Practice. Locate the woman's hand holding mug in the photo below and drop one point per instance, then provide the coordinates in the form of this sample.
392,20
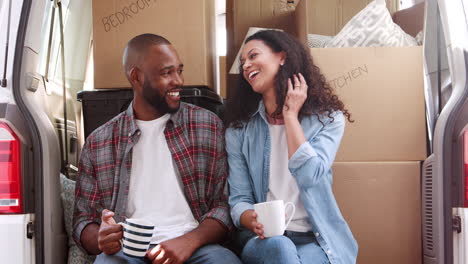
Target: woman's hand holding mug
249,220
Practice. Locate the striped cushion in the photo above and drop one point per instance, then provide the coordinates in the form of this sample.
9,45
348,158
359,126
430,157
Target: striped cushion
75,255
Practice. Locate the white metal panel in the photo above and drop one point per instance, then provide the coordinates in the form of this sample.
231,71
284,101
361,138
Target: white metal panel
460,240
15,247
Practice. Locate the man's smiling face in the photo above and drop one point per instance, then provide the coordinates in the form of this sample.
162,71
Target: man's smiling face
163,78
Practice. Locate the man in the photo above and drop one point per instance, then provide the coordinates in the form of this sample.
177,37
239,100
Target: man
161,160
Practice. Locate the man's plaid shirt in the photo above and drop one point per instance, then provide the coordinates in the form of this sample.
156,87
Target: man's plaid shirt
195,138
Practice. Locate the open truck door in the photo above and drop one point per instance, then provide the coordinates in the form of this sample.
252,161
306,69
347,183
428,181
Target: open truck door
445,171
48,51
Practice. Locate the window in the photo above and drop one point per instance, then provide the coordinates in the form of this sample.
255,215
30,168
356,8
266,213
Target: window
77,28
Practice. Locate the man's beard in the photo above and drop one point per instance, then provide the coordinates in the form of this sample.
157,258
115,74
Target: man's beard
152,96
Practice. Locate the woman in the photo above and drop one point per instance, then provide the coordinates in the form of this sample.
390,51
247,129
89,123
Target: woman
284,129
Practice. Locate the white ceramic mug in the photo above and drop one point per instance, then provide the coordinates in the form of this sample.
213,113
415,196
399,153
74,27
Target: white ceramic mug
137,234
272,215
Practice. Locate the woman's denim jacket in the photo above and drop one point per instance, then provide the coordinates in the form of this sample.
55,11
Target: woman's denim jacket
249,161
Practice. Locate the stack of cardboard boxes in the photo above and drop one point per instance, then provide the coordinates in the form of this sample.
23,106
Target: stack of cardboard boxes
377,169
188,25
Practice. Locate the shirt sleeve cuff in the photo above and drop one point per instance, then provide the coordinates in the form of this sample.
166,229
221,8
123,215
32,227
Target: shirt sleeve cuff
302,154
221,215
78,230
238,210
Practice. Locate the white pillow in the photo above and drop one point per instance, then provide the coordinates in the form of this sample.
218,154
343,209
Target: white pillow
372,27
419,38
318,41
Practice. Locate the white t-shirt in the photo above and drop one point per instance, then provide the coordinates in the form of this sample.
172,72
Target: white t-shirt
155,191
282,185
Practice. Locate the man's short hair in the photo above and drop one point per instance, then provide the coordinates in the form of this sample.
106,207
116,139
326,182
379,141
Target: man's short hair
137,47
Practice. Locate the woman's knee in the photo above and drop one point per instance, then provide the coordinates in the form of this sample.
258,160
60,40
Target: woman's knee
279,243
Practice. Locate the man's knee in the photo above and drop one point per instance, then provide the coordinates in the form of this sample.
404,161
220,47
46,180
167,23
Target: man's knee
214,254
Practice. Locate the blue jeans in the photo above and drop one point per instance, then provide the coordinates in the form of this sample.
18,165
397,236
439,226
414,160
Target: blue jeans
209,254
293,247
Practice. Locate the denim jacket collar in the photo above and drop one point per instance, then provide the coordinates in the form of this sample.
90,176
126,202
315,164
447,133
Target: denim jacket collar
261,110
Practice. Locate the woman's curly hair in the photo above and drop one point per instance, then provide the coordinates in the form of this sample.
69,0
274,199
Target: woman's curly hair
321,99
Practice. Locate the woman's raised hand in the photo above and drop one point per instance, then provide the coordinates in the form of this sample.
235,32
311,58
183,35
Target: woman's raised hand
296,96
249,220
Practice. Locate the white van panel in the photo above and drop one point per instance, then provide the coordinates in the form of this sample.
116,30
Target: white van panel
15,247
460,240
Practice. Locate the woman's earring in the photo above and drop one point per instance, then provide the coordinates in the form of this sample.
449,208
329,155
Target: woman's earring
281,64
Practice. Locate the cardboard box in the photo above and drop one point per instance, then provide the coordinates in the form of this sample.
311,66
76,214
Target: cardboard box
381,201
383,89
328,17
222,76
188,25
411,20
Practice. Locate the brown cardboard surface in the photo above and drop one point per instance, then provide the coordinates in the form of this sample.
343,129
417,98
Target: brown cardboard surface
382,87
411,20
327,17
381,201
188,25
222,76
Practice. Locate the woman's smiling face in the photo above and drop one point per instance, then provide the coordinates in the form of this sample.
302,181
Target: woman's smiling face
260,64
